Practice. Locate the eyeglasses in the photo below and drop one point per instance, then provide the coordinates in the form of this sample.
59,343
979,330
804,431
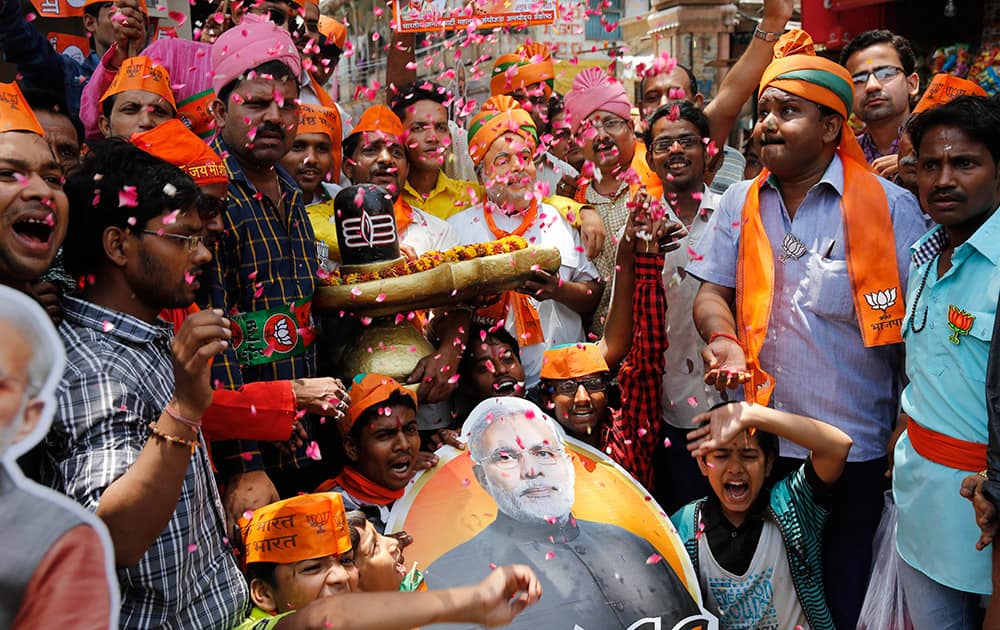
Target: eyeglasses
191,242
882,74
662,145
569,387
613,126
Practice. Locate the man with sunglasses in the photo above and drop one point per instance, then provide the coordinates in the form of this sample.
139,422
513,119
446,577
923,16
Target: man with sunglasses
881,65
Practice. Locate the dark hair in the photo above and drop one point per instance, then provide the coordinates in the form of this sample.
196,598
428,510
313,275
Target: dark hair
356,521
557,105
768,443
274,68
489,334
94,10
46,100
686,110
882,36
349,145
107,105
977,117
263,571
370,414
411,93
692,82
93,192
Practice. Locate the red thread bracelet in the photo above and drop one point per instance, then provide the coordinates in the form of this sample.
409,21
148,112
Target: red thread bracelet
716,335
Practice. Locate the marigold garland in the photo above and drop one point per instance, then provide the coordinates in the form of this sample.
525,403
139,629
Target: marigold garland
432,259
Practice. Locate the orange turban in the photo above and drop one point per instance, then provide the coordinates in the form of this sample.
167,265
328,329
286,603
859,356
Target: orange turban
368,390
379,118
945,88
815,79
15,114
296,529
325,120
333,31
173,142
499,115
572,360
142,73
528,65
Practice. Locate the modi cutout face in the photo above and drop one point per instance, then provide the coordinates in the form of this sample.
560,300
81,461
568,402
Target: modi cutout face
18,412
526,469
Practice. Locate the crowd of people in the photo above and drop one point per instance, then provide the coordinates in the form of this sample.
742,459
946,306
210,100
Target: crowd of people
768,338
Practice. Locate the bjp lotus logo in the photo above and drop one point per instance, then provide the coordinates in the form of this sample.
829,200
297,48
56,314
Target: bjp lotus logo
882,300
960,323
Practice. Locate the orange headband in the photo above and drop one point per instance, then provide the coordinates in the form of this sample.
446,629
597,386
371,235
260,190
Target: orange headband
141,73
945,88
296,529
368,390
15,114
173,142
572,360
325,120
379,118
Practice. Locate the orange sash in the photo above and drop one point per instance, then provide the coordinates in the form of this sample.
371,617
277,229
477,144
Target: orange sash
321,95
529,326
879,301
404,216
361,487
946,450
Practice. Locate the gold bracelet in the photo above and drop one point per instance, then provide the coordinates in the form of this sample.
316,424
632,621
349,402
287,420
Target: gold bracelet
160,435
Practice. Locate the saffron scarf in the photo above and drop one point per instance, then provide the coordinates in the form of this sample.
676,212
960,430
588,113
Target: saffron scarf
529,326
404,215
870,250
361,487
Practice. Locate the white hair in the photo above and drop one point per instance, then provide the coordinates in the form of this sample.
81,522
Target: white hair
498,408
48,359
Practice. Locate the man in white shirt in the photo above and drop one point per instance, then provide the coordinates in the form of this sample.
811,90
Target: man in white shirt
548,309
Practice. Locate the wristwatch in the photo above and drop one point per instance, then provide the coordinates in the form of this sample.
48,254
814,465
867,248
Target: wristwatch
767,36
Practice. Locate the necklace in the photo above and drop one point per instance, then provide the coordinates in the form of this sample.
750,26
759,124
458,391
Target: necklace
916,300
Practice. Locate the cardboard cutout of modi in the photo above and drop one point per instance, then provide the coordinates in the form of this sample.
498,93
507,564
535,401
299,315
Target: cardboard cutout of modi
523,492
53,548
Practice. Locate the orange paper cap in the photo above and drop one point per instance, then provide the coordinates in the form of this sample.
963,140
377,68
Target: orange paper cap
90,3
325,120
572,360
141,73
333,30
944,88
173,142
296,529
15,115
379,118
368,390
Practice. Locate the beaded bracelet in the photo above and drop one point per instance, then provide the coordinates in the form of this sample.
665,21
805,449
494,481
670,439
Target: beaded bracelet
716,335
172,411
192,444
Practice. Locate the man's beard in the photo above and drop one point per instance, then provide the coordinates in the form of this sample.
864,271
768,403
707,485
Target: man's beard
540,510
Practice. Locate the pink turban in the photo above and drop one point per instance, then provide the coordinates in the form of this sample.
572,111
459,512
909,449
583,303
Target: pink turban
594,90
254,41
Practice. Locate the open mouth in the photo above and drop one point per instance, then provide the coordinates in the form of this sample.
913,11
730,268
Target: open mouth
507,387
400,565
736,491
677,165
34,231
401,467
582,412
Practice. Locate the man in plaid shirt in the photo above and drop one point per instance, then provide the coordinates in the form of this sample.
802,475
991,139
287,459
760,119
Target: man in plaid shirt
126,439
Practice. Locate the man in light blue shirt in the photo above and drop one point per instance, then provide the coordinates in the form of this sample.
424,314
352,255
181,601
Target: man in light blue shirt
813,348
951,310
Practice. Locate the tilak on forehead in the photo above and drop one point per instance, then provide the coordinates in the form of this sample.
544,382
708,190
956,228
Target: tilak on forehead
366,391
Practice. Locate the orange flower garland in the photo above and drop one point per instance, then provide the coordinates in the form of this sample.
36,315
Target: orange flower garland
433,259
